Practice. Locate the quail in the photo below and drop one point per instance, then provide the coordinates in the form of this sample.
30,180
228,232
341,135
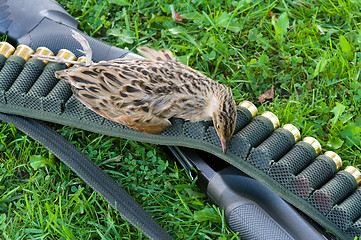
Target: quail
144,93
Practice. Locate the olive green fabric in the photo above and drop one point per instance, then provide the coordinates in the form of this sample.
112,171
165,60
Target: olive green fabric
31,90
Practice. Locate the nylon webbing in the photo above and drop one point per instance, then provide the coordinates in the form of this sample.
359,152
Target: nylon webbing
46,98
126,206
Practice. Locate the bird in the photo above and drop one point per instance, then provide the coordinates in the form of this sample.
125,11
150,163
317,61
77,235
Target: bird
144,93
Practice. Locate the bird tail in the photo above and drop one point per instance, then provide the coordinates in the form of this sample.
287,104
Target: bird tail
162,55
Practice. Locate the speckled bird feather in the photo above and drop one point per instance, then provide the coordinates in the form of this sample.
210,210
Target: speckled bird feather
143,93
148,91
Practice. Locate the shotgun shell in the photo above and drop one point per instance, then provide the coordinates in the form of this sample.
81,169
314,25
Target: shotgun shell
67,55
273,118
250,106
295,132
355,173
81,59
6,49
44,51
314,143
23,51
335,157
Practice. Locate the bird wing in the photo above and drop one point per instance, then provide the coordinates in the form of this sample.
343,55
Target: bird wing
142,89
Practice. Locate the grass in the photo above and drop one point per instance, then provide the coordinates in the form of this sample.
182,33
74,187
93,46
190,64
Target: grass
309,51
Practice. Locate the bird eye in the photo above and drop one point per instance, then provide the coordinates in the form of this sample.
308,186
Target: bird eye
218,127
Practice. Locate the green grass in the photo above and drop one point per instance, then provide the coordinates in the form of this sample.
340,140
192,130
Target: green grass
311,55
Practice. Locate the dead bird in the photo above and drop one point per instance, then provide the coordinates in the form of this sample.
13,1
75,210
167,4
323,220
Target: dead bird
144,93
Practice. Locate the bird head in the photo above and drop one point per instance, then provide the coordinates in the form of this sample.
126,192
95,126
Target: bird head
224,117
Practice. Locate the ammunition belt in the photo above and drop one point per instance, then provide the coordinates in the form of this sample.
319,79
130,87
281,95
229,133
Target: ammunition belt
296,170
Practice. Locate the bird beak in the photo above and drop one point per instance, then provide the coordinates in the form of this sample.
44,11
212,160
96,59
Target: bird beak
224,145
